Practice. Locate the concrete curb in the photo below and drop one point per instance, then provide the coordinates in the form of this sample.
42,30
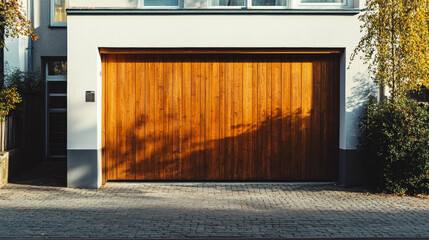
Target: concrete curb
4,168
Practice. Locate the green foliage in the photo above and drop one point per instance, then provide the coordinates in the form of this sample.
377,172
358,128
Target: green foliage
25,82
13,22
18,82
395,146
9,98
395,44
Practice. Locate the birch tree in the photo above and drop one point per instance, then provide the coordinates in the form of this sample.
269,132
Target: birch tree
395,44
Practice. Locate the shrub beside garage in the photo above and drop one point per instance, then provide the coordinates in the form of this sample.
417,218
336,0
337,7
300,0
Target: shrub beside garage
394,146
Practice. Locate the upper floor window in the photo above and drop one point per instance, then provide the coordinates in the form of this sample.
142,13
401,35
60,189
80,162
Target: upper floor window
294,4
270,3
227,3
59,15
324,3
161,3
244,3
58,12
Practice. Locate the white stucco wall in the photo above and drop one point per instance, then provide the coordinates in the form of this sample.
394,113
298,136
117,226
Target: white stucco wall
88,33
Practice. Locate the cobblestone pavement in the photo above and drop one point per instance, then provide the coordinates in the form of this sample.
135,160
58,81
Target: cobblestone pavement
187,210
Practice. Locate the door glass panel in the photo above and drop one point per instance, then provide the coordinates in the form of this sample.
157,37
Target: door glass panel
58,102
57,68
269,2
57,87
57,134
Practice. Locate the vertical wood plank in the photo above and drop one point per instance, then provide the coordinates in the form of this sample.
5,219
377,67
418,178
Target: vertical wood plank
186,120
196,120
268,133
159,119
315,120
333,121
121,117
262,119
203,172
329,166
238,118
296,128
141,118
229,165
167,125
286,162
276,113
205,65
130,126
329,81
247,119
336,114
214,119
222,110
255,126
150,126
177,118
324,118
307,92
111,118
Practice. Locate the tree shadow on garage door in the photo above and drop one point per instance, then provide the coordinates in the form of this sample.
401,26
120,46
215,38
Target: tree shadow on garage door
269,118
296,147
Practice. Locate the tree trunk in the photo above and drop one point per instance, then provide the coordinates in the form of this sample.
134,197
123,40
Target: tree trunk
2,43
1,62
3,136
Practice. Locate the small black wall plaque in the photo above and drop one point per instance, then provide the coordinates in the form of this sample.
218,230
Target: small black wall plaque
90,96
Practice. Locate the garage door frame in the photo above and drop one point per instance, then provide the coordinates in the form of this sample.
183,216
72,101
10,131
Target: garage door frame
142,51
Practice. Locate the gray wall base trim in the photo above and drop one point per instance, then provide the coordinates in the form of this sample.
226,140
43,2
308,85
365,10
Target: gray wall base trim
351,171
83,169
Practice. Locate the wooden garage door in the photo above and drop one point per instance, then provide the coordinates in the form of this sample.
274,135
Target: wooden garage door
221,117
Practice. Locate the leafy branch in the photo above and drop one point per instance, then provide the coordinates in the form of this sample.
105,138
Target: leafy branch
13,21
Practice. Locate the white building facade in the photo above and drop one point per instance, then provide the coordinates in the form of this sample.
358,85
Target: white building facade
298,27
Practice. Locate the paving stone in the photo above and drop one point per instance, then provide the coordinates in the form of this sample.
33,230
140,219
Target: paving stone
189,210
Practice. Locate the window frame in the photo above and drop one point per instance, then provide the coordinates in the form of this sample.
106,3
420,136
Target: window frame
180,5
52,22
48,110
291,4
